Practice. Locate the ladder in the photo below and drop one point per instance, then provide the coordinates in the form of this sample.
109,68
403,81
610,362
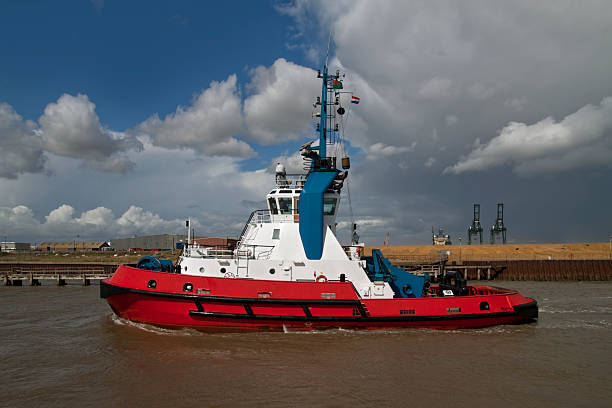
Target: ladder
242,262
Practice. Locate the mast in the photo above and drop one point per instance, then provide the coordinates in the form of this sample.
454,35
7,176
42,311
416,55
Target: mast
330,89
323,124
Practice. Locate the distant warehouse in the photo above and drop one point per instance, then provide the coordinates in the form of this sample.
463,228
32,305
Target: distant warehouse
14,246
81,246
167,242
216,242
149,242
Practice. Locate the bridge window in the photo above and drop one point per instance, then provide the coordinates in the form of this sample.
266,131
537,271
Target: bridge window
273,207
284,205
329,206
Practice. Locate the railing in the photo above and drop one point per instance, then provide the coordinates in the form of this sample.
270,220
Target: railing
297,179
256,217
215,253
264,254
354,252
255,252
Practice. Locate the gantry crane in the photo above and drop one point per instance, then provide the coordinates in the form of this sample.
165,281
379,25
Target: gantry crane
498,227
475,228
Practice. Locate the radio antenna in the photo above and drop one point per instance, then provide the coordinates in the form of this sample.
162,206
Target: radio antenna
328,45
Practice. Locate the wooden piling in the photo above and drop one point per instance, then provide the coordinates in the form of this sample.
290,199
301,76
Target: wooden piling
33,281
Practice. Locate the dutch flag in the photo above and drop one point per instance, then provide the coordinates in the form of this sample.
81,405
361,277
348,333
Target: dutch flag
354,99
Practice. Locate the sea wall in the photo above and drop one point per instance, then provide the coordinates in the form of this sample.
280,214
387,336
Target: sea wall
560,270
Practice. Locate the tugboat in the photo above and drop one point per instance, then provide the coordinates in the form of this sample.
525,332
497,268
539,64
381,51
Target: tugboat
289,271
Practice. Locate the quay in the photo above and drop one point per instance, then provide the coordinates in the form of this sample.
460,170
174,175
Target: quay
529,270
35,274
471,272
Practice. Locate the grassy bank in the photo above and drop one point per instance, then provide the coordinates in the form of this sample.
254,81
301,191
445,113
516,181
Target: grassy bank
83,257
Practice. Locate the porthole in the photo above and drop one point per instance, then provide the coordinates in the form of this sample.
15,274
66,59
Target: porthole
272,271
187,287
151,284
222,270
484,306
201,269
185,269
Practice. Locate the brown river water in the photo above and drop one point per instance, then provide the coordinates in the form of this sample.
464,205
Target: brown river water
63,347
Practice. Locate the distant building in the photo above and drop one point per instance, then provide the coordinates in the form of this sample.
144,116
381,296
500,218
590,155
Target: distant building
217,242
80,246
149,242
14,246
168,241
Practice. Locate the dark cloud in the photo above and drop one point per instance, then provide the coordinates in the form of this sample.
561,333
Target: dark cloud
468,86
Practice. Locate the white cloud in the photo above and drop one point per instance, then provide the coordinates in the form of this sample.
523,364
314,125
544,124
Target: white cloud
378,150
20,149
430,162
582,139
208,126
71,128
62,224
61,215
281,105
98,217
142,221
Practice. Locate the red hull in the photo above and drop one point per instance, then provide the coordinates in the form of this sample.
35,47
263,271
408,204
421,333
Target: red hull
245,304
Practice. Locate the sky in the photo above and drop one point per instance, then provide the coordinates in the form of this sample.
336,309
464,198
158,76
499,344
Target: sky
124,118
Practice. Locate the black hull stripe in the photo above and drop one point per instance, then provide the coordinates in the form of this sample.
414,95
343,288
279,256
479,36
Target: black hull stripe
435,318
527,310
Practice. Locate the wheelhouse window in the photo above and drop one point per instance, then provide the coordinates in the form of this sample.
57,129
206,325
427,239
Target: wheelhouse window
276,233
329,206
284,205
273,207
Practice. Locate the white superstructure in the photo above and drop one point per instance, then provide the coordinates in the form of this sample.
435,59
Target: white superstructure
270,246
